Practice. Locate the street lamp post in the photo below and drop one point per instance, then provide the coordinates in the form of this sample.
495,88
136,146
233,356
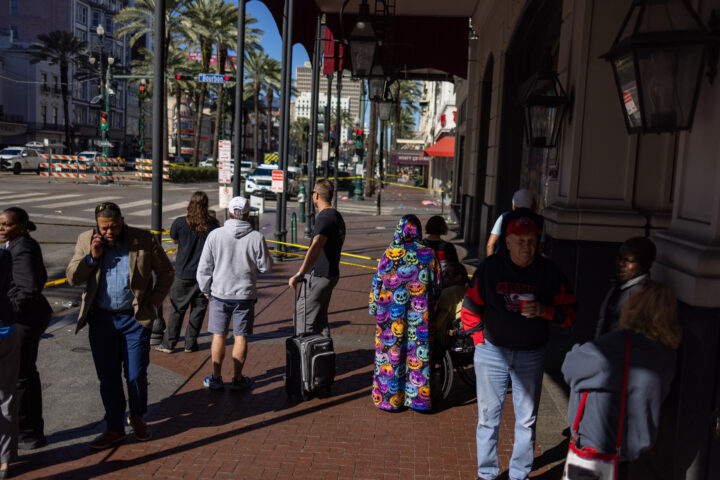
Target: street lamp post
105,77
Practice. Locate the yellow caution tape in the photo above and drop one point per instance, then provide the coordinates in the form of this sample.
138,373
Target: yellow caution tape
298,255
307,246
412,186
55,282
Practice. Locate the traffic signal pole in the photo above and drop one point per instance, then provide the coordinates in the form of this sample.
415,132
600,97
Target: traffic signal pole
338,135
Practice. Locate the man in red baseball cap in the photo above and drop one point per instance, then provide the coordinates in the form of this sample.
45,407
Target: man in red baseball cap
513,297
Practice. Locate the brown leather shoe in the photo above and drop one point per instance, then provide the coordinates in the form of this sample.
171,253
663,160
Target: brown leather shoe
140,429
107,439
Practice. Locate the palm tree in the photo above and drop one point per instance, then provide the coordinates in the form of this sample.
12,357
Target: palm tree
138,21
272,85
256,68
300,132
372,145
64,49
226,34
407,95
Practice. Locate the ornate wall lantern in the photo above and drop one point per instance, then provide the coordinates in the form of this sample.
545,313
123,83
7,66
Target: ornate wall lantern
363,43
544,107
376,83
658,59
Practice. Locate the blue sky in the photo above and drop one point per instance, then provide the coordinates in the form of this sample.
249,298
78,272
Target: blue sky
271,39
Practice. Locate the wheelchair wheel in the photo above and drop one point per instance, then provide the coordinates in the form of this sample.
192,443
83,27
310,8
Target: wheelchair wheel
465,368
441,376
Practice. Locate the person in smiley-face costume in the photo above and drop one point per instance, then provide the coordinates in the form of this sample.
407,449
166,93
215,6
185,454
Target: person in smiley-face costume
404,289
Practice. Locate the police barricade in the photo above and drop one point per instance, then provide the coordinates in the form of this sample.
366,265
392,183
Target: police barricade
145,166
68,166
107,169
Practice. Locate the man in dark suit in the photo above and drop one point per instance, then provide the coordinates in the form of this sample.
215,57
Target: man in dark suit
120,304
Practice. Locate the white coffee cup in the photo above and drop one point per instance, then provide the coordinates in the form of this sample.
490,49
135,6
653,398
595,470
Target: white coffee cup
523,299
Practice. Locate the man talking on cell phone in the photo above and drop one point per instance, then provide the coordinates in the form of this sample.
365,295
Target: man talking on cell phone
117,263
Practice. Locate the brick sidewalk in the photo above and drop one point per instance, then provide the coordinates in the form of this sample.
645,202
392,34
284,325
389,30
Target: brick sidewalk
262,434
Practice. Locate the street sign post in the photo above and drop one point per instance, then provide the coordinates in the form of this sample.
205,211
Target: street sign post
277,181
225,171
212,78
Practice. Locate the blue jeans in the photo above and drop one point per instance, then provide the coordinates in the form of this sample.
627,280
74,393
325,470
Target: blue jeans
118,341
494,366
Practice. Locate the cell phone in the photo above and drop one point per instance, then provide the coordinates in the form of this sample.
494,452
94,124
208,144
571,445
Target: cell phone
96,231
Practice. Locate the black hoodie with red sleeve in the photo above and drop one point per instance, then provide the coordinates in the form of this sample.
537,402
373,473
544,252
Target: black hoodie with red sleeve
491,301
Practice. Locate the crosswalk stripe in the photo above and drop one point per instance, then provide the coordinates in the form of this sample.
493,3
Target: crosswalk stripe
124,206
165,208
50,200
80,202
4,191
23,195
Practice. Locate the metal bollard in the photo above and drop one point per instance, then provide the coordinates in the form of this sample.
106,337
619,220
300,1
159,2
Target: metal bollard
293,228
301,203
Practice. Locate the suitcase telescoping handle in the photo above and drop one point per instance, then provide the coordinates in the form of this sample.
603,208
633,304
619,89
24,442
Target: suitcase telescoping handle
296,295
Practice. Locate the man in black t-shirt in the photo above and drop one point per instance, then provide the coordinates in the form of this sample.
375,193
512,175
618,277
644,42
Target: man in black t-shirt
321,267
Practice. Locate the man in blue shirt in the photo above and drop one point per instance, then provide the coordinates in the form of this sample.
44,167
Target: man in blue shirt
120,304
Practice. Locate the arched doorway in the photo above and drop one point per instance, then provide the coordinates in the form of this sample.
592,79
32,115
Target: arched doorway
478,229
536,33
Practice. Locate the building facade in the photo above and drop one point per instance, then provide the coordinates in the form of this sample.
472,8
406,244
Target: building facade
597,188
24,21
438,115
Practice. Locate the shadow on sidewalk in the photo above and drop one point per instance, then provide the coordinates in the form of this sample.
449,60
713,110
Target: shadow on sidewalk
200,409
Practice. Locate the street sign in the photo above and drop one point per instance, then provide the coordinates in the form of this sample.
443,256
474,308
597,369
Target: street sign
277,181
225,194
224,161
211,78
103,143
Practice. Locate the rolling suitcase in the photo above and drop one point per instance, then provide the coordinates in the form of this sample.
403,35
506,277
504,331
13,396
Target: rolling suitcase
310,361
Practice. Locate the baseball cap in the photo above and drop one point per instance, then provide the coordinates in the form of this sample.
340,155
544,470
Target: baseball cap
239,206
522,225
523,198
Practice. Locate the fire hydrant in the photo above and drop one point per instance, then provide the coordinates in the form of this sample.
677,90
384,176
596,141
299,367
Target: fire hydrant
301,203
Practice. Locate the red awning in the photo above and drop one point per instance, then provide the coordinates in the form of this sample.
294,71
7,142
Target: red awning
445,147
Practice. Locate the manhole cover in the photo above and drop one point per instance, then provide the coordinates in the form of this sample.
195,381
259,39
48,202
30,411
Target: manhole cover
80,349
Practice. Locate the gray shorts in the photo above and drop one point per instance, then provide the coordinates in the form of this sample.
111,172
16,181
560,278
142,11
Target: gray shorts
242,314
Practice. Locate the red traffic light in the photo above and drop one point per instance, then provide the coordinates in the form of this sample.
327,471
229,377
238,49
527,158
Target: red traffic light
359,131
178,77
227,78
103,115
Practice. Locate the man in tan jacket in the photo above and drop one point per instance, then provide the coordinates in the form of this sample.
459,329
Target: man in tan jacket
117,263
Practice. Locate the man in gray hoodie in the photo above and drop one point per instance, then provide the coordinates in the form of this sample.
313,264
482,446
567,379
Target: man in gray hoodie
227,273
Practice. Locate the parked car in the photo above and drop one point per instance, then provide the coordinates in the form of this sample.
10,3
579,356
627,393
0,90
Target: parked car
88,157
345,182
20,159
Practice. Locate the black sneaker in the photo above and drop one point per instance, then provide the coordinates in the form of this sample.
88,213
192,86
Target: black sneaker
31,443
192,349
242,384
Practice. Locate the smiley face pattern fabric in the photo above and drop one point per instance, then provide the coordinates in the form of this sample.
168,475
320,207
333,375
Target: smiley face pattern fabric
403,293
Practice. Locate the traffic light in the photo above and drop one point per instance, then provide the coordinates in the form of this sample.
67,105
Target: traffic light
229,78
359,142
103,121
181,77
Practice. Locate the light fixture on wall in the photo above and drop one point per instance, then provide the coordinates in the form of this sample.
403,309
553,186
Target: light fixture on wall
658,58
544,106
363,42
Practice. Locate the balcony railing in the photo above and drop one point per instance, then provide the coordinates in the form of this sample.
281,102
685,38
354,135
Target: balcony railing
44,88
6,117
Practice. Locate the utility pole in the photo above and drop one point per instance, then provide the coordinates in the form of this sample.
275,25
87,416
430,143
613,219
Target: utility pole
157,143
239,124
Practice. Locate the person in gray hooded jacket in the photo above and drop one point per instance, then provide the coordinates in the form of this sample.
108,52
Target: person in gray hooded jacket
231,259
649,317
